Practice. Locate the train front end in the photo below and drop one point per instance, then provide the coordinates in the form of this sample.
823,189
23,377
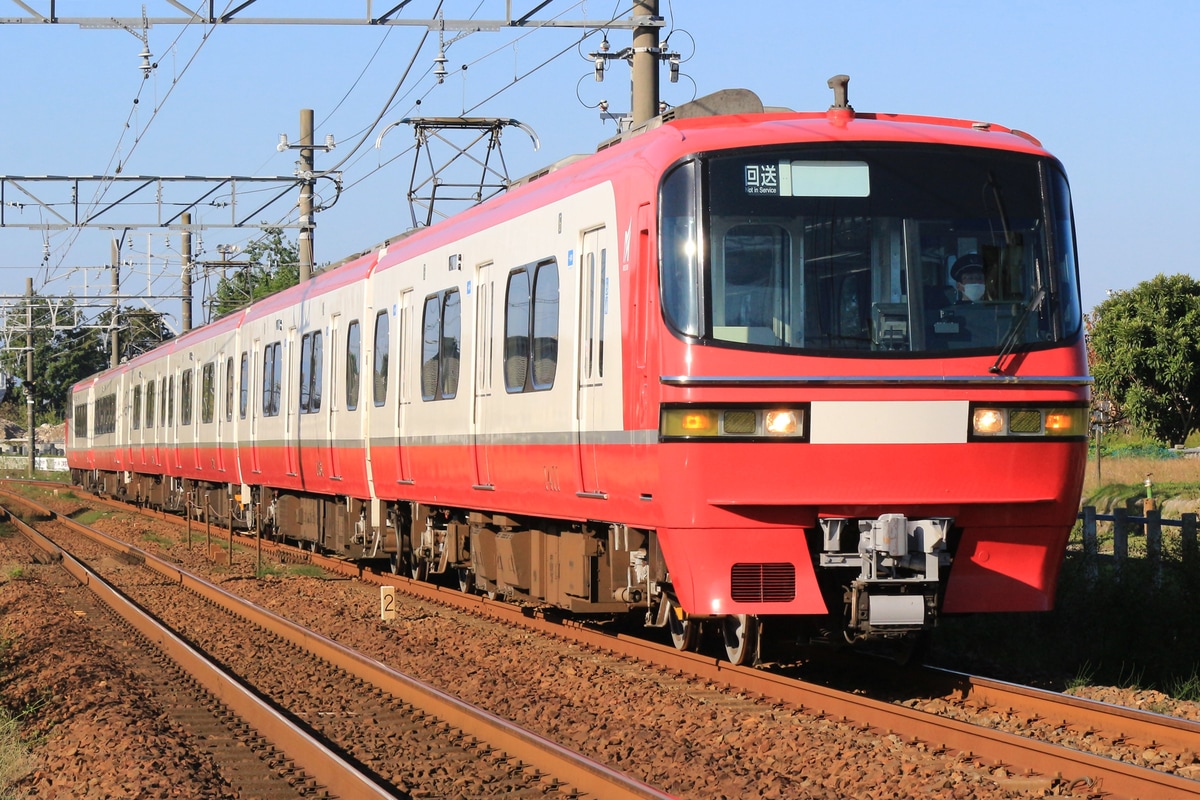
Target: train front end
848,432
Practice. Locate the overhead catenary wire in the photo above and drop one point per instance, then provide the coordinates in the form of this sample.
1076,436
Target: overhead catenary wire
108,170
354,155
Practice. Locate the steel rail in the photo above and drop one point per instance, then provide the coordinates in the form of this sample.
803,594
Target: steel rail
578,770
1141,726
1118,779
329,769
999,747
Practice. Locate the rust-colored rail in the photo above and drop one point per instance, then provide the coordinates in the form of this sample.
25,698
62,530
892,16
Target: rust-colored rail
573,768
330,770
1130,724
1118,779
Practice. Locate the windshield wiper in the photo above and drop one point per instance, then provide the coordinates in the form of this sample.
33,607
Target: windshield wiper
1010,341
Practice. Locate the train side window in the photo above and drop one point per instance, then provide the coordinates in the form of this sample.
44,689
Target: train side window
451,343
305,371
353,350
680,251
545,326
272,378
244,386
603,312
229,389
531,329
516,332
81,420
380,372
106,414
430,349
185,398
169,401
441,345
208,392
310,373
151,406
314,397
136,416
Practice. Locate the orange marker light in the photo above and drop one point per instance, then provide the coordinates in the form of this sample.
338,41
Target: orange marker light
1060,422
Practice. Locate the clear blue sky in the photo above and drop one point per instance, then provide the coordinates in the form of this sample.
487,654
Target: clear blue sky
1107,86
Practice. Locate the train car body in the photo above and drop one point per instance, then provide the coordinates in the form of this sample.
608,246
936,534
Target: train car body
717,371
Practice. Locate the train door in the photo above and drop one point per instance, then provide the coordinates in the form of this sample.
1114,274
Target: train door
291,425
189,414
256,356
156,418
135,422
593,279
483,374
124,425
403,387
222,405
331,402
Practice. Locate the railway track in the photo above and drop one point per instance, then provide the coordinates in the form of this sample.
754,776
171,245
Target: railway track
1012,754
391,735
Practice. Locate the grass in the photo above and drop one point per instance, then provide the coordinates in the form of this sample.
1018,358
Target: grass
285,570
15,753
162,541
1106,628
90,516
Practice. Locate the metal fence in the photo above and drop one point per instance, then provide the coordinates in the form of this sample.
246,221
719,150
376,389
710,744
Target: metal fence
1147,532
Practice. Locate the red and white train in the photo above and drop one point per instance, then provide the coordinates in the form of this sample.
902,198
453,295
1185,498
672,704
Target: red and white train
716,372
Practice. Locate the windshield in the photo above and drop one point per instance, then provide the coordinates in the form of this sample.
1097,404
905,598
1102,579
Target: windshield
889,249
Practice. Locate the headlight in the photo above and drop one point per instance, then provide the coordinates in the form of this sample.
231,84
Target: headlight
782,423
988,421
687,422
1019,422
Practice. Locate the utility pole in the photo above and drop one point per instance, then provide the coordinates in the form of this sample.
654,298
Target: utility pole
29,373
305,244
307,176
645,62
186,280
115,358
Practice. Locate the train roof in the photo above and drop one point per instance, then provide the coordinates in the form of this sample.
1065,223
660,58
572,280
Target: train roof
727,119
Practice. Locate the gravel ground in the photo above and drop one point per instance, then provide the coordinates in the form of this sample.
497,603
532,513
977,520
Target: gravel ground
693,740
91,729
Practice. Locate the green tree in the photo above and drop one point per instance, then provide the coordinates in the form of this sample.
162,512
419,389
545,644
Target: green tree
271,264
1146,348
142,330
65,350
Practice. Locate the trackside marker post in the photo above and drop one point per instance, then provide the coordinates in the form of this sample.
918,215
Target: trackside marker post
387,602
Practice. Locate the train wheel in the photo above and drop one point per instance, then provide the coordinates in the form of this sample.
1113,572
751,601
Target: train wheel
685,632
466,580
395,563
418,568
740,632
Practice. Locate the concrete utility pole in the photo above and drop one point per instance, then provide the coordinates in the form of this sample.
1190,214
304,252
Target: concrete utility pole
29,373
305,244
645,62
186,281
115,358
